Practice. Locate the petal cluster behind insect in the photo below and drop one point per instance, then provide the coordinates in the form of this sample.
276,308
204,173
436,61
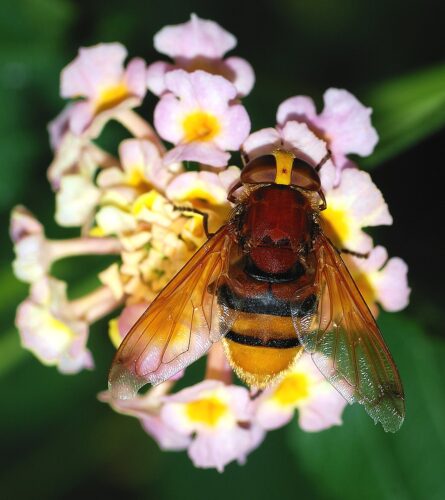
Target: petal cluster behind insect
147,205
199,44
197,115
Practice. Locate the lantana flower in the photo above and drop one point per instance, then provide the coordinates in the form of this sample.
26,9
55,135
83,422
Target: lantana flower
35,253
354,204
98,76
51,331
198,116
146,207
304,388
344,123
199,44
381,280
219,418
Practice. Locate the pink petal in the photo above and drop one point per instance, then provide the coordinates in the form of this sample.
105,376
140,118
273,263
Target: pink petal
197,37
218,449
236,128
298,137
168,116
201,89
23,224
166,437
129,316
202,152
261,142
393,289
299,108
135,77
347,123
93,68
59,126
156,76
271,416
82,114
323,411
244,76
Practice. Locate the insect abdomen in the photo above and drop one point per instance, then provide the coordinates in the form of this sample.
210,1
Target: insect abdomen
262,343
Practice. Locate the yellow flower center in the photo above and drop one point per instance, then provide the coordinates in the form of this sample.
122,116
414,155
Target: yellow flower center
135,176
336,225
113,332
363,282
200,196
292,389
111,96
200,126
207,411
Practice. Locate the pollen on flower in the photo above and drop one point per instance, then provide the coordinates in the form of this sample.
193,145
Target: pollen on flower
208,411
200,126
111,96
292,389
59,333
336,224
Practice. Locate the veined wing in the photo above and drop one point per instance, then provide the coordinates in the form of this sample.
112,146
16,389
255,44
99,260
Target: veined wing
179,326
345,341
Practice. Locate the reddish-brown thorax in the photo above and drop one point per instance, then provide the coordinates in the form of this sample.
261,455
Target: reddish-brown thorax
276,226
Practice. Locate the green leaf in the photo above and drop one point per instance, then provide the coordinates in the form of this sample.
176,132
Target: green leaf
358,459
406,110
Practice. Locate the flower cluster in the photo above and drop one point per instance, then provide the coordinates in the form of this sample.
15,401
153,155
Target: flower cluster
140,206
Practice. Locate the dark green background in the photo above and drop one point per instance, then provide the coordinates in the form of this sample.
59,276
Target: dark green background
57,441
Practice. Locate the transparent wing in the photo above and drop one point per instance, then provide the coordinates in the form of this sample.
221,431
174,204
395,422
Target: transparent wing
334,323
179,326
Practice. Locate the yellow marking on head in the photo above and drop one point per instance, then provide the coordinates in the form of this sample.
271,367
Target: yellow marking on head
284,161
207,411
200,126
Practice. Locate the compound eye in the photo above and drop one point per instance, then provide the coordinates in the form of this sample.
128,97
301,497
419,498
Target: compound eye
261,170
305,176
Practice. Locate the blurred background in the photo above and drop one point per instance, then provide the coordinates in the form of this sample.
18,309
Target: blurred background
57,440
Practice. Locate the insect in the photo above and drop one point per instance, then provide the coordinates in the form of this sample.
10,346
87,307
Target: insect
269,284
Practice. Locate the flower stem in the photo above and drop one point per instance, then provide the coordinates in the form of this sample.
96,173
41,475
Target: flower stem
217,366
140,128
95,305
84,246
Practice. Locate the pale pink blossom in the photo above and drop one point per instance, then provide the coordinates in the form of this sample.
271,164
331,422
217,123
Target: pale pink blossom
76,200
381,279
98,76
35,253
141,167
118,328
354,204
218,417
199,44
297,138
344,123
304,388
146,408
50,330
209,186
198,117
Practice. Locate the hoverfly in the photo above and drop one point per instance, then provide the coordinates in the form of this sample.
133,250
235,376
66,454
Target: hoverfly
268,284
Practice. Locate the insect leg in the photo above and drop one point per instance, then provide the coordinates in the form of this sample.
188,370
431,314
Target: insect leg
325,158
354,254
205,218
